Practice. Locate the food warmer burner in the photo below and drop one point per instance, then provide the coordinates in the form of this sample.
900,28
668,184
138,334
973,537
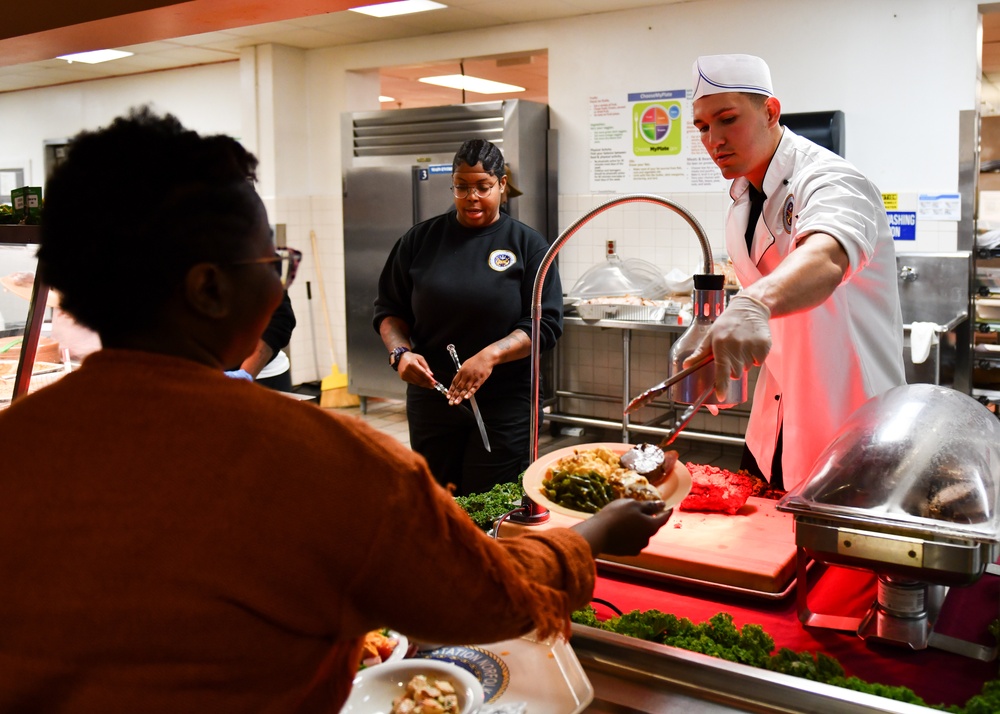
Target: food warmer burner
908,490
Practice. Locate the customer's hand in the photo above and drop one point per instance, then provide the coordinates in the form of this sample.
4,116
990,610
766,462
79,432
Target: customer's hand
739,339
623,527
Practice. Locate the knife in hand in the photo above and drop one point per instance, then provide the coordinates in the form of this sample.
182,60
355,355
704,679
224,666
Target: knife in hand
472,402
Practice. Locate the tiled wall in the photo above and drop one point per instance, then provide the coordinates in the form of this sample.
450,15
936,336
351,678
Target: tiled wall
640,230
660,236
310,349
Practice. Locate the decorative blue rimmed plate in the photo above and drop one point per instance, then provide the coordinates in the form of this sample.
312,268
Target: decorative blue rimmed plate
486,666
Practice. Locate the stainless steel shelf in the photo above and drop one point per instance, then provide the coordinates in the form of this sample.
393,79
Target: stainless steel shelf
626,324
15,235
625,425
19,235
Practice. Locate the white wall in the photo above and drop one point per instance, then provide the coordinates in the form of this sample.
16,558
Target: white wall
205,98
901,70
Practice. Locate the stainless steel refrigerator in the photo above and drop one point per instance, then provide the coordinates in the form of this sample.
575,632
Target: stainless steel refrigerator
397,172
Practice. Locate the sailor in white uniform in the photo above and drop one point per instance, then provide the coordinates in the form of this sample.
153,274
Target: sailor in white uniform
811,245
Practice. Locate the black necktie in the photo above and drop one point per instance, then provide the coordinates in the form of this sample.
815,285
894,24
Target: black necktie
756,205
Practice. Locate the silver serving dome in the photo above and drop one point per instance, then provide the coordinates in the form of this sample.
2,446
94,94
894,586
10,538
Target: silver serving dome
919,459
908,489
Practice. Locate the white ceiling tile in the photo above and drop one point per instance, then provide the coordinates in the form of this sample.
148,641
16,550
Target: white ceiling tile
207,39
196,55
149,47
302,37
262,30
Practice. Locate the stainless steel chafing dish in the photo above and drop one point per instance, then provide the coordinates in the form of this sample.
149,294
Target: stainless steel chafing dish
909,490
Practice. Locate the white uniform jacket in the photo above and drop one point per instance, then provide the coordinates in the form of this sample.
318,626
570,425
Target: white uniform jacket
826,362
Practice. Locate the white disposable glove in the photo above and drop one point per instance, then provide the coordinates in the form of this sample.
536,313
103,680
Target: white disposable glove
739,339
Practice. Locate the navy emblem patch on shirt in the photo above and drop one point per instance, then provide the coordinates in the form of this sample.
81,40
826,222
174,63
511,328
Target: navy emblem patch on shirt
500,260
789,212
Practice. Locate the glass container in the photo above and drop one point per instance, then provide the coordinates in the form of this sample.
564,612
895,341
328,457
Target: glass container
707,304
617,277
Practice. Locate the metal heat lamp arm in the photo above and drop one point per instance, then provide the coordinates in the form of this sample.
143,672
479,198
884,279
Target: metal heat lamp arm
531,512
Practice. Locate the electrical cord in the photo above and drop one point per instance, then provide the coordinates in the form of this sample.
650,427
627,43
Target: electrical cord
499,521
608,605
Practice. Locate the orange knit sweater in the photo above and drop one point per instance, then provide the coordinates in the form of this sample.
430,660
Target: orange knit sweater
178,541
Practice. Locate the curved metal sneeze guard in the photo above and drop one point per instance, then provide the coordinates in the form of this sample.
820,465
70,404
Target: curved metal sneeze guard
531,511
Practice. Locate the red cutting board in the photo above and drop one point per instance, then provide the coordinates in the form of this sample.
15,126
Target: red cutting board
754,549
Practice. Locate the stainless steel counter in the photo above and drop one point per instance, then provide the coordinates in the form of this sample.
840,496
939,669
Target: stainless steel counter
633,676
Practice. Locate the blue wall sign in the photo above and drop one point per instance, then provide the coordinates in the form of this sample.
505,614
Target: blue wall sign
903,224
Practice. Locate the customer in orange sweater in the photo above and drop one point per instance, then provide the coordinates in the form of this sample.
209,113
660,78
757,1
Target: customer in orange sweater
178,541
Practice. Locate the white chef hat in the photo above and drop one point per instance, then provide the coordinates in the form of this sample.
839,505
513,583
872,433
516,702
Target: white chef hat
715,74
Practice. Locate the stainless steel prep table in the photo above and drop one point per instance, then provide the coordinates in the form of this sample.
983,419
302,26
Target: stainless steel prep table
624,425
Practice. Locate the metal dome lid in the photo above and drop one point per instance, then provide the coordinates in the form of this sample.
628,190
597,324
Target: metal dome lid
918,458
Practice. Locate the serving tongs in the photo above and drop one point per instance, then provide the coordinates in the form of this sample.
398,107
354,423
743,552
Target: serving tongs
686,417
655,391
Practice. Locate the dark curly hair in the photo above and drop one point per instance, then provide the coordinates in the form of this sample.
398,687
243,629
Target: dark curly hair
132,208
479,151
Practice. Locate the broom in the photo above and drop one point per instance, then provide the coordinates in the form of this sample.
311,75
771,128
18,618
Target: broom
333,388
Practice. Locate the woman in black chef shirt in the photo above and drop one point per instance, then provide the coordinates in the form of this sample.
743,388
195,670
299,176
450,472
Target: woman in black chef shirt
465,278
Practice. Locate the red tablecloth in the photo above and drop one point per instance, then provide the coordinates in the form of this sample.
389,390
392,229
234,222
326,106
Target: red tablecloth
938,677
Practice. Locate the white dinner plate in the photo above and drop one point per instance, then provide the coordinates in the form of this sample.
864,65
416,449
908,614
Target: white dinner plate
672,490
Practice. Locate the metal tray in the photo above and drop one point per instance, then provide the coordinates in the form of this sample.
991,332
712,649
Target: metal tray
638,313
697,584
638,676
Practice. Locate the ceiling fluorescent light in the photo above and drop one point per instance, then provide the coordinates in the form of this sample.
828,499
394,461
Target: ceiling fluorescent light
95,57
403,7
471,84
383,98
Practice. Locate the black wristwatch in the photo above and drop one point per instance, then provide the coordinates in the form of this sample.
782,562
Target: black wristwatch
395,355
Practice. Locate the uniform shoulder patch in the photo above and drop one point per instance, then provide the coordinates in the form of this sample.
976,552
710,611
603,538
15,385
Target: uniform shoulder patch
500,260
789,212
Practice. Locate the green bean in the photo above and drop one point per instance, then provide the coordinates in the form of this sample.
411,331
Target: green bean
587,491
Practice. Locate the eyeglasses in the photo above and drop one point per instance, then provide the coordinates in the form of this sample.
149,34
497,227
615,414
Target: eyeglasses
478,191
286,262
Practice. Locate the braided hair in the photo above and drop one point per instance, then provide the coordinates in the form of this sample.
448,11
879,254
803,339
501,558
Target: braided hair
479,151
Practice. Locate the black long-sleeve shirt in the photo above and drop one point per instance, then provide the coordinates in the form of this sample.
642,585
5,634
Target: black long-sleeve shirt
469,287
278,332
